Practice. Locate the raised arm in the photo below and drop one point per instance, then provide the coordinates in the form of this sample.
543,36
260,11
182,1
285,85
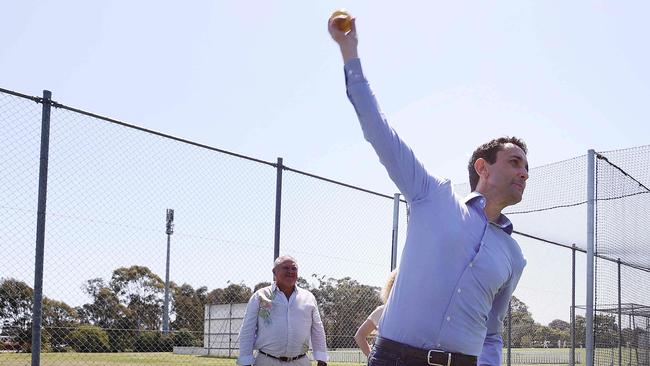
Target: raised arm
403,168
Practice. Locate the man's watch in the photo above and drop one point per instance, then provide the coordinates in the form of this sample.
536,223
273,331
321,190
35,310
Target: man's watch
321,363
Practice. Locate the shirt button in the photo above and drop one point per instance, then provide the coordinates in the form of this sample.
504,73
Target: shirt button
448,318
458,290
439,345
471,264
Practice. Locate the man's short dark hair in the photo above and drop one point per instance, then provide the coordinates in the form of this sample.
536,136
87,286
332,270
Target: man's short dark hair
488,151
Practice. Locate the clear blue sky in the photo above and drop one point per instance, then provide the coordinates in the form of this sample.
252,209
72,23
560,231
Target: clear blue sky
264,78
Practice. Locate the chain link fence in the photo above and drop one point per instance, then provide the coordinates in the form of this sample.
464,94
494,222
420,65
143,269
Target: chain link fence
622,279
110,184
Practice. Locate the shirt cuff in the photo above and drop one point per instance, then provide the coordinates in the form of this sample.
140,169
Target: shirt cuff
353,72
320,356
245,360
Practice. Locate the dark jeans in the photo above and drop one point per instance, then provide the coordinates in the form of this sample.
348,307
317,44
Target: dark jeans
380,356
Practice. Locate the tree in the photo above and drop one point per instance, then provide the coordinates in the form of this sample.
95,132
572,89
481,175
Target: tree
265,284
605,330
59,319
16,303
523,325
188,306
107,312
234,293
344,304
141,291
560,325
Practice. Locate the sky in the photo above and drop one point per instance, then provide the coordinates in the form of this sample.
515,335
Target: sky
264,79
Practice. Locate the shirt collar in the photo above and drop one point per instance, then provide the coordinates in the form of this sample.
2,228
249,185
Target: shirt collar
503,221
274,287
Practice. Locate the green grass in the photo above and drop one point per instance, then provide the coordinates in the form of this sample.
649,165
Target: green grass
119,359
113,359
169,359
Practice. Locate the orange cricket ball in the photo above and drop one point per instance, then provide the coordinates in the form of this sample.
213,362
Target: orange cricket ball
342,19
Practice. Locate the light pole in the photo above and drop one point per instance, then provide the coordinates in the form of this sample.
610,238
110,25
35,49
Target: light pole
169,231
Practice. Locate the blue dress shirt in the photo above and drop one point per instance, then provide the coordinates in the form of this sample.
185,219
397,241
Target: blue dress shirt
457,271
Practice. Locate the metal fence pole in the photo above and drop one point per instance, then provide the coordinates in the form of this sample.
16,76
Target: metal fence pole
509,354
37,309
591,210
620,317
393,252
209,328
278,208
572,354
169,231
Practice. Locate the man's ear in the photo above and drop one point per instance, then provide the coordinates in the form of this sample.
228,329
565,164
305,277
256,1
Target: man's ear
481,167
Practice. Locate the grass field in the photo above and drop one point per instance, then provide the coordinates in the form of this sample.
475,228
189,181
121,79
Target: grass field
160,359
113,359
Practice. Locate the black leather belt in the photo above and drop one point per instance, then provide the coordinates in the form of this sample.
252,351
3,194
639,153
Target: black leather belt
431,357
283,358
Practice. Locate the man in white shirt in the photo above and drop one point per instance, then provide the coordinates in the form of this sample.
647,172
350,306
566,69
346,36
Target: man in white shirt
281,321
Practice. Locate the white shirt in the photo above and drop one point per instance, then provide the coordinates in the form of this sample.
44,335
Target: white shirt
280,326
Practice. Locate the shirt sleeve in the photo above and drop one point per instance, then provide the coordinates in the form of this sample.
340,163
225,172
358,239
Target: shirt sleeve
248,332
493,344
404,169
318,343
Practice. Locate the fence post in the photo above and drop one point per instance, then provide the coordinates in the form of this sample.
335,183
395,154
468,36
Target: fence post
393,252
591,210
278,208
209,328
509,333
169,231
37,310
620,318
572,354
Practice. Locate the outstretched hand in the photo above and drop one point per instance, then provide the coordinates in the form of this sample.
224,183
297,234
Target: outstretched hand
347,41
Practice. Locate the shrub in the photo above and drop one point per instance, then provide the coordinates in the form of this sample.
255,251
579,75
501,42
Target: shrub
186,338
89,338
153,341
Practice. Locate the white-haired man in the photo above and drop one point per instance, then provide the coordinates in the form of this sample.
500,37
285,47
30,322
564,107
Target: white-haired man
281,321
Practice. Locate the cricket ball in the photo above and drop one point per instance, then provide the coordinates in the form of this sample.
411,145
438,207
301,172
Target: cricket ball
342,19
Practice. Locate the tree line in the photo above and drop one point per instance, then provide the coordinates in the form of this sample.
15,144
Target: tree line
125,314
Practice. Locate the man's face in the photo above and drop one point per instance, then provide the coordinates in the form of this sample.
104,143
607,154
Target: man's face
286,274
507,176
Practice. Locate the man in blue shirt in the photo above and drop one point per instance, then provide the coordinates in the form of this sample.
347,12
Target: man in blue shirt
460,265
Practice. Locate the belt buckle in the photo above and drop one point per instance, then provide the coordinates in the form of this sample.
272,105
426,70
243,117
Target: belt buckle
438,364
284,358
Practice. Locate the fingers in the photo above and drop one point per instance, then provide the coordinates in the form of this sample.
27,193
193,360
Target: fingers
335,31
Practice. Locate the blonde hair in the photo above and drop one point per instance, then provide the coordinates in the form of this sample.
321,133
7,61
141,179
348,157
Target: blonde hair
385,291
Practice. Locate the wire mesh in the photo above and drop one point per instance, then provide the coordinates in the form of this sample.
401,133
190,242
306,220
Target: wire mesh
343,239
622,279
20,124
110,185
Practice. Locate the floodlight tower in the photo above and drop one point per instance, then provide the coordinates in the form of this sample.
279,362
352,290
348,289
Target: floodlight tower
169,231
